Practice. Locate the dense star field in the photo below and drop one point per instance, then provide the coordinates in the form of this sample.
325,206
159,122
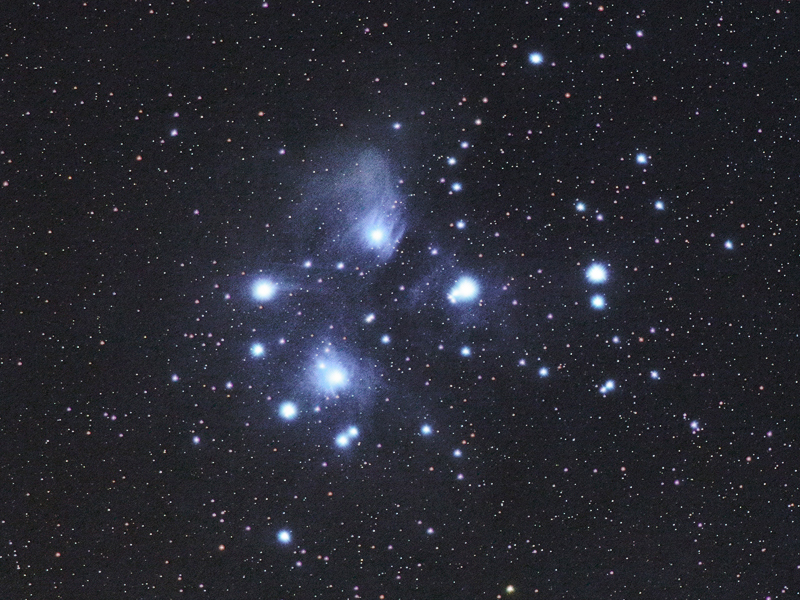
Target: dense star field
399,301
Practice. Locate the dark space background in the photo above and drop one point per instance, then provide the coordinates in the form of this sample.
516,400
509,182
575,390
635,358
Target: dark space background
161,159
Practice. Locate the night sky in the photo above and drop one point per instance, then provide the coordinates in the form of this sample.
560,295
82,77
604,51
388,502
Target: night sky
399,300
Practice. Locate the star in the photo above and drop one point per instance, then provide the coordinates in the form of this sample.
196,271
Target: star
284,536
288,410
598,302
596,273
464,290
264,290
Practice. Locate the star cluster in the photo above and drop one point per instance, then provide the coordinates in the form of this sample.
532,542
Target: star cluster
388,302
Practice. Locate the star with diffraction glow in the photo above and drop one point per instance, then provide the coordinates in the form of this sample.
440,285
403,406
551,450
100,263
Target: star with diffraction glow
464,290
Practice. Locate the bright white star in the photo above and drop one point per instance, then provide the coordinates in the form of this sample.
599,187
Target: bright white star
264,290
284,536
596,273
288,410
464,290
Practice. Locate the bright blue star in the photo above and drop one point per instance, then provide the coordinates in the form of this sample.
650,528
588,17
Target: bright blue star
608,386
641,158
456,187
335,377
196,440
544,372
380,231
385,339
535,58
397,125
659,205
464,290
457,453
460,224
288,410
377,235
598,302
257,350
331,377
426,430
264,290
728,245
466,351
580,207
596,273
451,161
343,440
284,536
655,375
